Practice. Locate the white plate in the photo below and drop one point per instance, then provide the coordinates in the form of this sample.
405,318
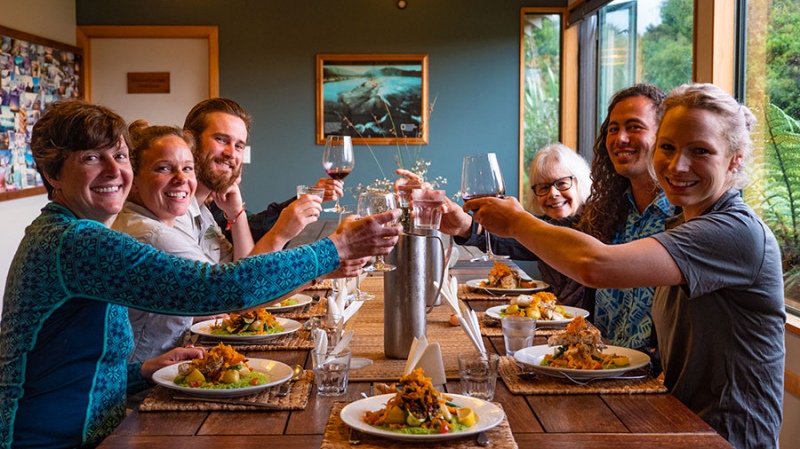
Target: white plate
203,328
476,284
359,362
488,416
532,358
302,300
494,312
278,373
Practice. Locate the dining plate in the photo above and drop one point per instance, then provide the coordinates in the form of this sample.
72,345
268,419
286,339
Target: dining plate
476,284
203,328
276,372
488,416
302,300
494,312
532,358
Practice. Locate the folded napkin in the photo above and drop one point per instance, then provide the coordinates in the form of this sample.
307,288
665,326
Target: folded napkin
429,358
466,317
337,302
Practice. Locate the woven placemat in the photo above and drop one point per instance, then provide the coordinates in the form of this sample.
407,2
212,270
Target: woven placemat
490,327
318,309
161,399
467,293
337,435
290,342
543,384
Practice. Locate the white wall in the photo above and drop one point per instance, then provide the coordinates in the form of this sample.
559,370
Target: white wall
53,19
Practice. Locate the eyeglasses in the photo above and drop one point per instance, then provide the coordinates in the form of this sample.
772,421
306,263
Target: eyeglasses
560,184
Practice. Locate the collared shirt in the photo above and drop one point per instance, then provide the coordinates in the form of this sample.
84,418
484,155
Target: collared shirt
625,316
199,224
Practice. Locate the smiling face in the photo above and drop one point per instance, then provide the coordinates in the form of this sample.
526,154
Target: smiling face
692,160
165,181
220,151
558,203
94,184
632,126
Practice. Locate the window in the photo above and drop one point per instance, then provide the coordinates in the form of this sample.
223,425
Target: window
643,41
541,87
771,68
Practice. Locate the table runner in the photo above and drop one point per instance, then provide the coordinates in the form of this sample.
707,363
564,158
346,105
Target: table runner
161,399
337,435
543,384
368,338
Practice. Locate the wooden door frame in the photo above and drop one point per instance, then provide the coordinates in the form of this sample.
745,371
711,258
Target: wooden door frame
85,34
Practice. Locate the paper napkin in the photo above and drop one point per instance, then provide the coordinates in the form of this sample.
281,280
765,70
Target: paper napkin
429,358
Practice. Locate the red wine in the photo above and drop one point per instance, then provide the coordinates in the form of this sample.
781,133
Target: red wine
482,195
338,174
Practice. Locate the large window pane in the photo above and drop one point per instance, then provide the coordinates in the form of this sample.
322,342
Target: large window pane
541,73
772,91
645,41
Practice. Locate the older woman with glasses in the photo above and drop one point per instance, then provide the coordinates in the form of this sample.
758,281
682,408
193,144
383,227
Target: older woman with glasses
65,335
560,182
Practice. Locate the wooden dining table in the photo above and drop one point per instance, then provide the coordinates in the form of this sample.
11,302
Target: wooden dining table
540,420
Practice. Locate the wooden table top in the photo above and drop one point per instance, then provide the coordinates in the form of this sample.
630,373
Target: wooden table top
547,421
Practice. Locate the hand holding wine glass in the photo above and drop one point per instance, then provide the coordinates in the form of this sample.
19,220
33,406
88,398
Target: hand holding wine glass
371,203
337,160
481,178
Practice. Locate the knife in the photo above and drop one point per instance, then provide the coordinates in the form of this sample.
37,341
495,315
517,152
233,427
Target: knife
227,401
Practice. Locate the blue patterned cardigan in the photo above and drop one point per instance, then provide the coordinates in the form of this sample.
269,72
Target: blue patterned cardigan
65,333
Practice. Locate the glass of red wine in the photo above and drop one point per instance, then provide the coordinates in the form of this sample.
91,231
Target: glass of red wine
481,178
338,161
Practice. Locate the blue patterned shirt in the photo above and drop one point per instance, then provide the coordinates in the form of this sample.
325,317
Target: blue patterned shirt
65,335
625,316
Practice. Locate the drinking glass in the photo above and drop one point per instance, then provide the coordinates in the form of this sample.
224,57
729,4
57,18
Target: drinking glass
331,371
337,160
478,373
518,333
481,178
372,203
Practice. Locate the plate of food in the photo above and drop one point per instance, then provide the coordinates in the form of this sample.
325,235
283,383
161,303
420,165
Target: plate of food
419,412
223,372
578,353
542,306
503,280
247,327
293,302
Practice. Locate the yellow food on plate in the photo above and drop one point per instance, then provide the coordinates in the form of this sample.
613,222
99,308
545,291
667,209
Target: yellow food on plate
221,368
418,408
253,322
540,305
502,276
580,347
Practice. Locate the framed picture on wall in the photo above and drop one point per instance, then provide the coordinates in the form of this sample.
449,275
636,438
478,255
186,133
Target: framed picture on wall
376,99
35,72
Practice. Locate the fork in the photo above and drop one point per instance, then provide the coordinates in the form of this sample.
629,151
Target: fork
592,379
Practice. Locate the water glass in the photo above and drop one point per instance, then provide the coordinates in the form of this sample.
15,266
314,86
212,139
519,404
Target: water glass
332,324
316,191
518,333
427,206
478,373
331,371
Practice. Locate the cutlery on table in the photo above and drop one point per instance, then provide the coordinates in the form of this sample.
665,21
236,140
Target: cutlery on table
297,371
592,379
355,437
483,439
226,401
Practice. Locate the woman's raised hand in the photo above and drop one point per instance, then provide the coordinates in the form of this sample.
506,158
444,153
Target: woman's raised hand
367,236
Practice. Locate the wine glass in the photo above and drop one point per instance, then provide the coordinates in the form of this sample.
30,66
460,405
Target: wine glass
338,161
481,178
372,203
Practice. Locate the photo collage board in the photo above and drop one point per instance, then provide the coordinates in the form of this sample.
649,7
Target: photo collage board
34,73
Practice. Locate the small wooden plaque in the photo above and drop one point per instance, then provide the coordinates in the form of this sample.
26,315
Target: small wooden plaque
148,82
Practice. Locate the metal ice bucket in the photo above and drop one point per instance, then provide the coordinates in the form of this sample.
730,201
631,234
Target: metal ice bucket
410,289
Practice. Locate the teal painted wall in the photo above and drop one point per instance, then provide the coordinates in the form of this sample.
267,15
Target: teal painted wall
267,58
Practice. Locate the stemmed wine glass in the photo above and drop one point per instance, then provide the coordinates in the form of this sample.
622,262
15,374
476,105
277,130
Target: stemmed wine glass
481,178
338,161
359,295
372,203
